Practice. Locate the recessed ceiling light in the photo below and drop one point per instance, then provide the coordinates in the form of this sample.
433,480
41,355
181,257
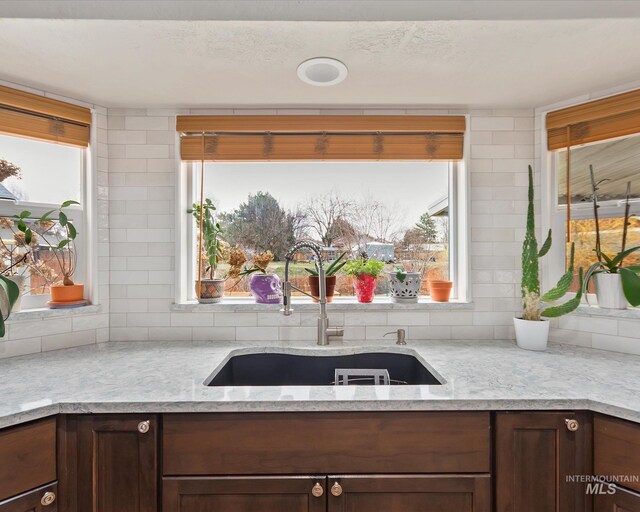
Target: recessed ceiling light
322,71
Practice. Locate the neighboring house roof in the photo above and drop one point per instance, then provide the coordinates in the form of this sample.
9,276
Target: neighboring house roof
6,194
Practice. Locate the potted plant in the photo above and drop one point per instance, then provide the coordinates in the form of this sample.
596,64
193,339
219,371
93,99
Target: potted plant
615,284
14,254
9,292
440,289
330,277
60,236
210,287
366,272
532,331
405,281
266,288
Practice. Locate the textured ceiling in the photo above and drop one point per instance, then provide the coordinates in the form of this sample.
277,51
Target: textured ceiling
519,63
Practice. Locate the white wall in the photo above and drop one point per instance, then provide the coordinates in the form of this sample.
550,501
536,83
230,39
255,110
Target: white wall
142,179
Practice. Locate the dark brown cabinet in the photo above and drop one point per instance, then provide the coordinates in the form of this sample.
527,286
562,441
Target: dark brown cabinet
409,493
114,459
42,499
247,494
621,500
536,456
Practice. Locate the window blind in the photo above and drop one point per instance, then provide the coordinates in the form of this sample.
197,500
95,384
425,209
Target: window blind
607,118
282,138
30,115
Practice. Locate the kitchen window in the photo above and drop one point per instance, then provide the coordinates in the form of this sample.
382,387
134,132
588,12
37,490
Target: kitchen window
391,188
39,176
603,133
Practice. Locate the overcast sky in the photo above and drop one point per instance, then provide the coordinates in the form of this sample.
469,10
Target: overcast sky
409,186
50,172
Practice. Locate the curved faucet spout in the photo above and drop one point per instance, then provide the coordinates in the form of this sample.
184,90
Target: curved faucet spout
323,321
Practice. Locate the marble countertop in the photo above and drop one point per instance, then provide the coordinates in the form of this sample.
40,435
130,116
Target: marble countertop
148,377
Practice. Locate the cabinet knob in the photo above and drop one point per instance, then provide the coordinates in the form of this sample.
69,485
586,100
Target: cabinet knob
317,490
336,489
48,498
144,426
572,425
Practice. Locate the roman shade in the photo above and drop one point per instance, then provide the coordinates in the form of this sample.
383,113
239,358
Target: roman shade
607,118
299,138
37,117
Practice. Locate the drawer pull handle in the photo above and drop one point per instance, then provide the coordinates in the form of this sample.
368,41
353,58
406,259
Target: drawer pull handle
336,489
317,490
144,427
48,498
572,425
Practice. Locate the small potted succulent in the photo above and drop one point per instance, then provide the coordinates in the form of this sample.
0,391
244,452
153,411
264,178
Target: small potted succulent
405,281
60,235
532,331
210,288
266,288
330,277
615,284
366,272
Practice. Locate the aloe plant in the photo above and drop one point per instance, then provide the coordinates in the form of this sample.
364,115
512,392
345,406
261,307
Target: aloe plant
331,270
531,299
613,265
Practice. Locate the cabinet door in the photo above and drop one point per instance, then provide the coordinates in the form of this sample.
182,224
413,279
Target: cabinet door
116,463
537,454
620,501
409,493
42,499
251,494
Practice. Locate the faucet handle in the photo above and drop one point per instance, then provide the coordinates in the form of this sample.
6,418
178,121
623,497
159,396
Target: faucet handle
401,335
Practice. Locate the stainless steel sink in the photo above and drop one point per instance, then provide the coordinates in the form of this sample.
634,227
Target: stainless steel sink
277,369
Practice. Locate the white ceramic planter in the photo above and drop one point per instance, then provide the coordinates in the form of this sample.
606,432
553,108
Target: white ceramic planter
405,291
531,334
609,291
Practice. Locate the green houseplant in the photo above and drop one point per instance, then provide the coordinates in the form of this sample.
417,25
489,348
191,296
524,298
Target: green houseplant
405,281
56,229
366,272
210,287
532,331
615,284
10,292
330,274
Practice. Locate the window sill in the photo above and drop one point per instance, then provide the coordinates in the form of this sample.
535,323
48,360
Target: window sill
302,304
631,313
41,313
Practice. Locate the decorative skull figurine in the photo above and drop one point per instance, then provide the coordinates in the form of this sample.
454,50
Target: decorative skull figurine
266,289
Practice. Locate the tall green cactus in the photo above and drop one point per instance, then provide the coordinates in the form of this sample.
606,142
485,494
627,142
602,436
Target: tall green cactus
531,299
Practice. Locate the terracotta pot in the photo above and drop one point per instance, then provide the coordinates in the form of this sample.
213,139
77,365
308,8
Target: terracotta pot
365,287
330,284
211,291
440,290
70,293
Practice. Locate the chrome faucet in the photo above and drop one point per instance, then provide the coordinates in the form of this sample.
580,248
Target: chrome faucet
324,331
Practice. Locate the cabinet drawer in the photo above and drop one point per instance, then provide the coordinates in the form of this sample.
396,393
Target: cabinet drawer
617,449
319,443
43,499
619,501
28,455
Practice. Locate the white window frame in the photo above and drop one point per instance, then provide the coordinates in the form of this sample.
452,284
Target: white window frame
83,219
458,234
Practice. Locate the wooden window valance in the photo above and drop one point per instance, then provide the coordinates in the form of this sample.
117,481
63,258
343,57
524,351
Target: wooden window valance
298,138
607,118
37,117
